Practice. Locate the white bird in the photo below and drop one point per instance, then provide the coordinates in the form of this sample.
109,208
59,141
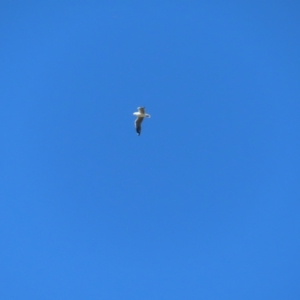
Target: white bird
140,117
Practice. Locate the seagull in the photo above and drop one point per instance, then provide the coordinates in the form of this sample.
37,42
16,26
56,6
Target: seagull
140,117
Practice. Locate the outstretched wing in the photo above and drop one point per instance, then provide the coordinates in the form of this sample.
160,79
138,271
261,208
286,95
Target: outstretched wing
141,110
138,123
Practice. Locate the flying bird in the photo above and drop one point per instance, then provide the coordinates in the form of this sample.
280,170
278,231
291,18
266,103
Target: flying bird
140,117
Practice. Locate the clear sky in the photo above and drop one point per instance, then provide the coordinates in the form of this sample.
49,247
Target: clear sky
204,204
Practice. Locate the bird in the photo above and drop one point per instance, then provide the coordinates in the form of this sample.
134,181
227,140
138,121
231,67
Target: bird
140,117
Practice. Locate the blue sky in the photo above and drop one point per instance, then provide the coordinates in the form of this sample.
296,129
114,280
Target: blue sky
204,204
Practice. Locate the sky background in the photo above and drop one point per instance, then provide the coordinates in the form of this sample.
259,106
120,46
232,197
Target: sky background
204,204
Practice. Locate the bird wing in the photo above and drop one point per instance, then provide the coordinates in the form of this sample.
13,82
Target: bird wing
141,110
138,123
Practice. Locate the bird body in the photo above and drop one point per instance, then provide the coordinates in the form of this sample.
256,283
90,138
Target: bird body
141,114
